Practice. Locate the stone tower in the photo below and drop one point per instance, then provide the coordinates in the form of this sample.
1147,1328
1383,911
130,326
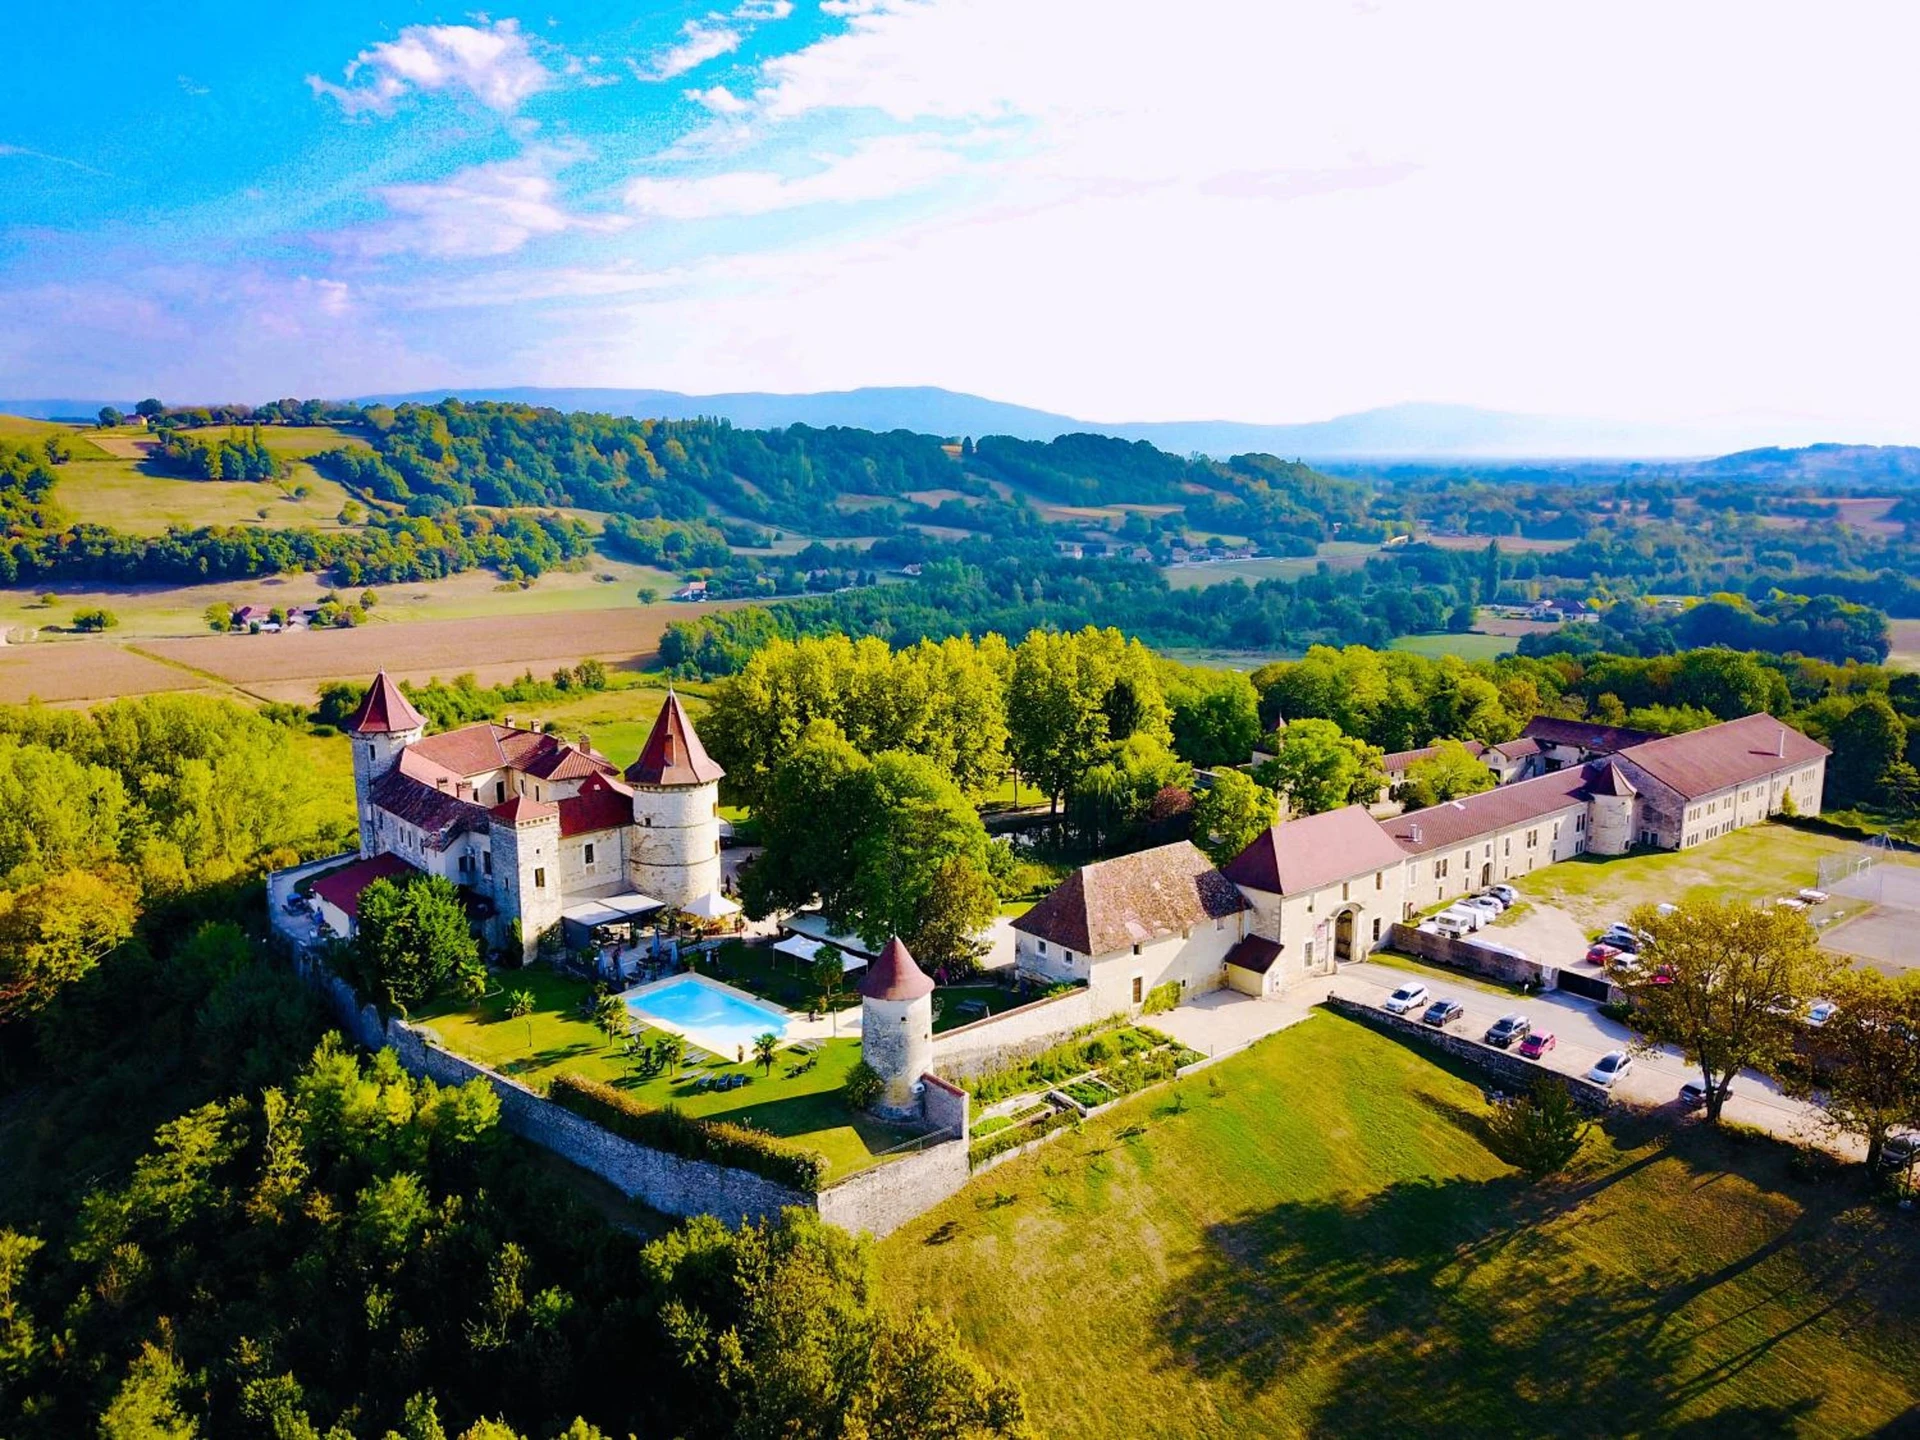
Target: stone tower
1610,806
384,725
524,836
675,851
896,1028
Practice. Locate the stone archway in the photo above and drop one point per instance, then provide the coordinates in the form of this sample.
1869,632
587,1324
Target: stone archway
1343,927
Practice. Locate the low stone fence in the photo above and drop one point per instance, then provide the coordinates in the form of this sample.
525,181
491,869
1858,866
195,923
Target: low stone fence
1012,1035
1510,1070
879,1200
1475,957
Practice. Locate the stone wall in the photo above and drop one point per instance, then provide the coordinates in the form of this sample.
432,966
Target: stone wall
1467,955
1012,1035
1509,1070
886,1197
944,1105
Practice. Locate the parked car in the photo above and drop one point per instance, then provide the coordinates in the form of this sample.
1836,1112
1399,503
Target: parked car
1821,1011
1901,1149
1693,1094
1622,937
1505,894
1466,915
1485,904
1536,1044
1601,954
1441,1013
1406,998
1451,926
1610,1068
1507,1029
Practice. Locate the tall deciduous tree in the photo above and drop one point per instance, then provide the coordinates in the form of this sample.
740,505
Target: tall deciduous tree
413,943
1865,1070
812,811
1069,695
1452,771
918,825
1231,815
1726,981
1316,768
54,931
1215,715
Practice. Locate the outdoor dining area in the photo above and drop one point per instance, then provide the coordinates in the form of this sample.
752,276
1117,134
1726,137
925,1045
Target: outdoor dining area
633,938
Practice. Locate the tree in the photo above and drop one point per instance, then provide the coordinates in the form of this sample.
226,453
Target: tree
765,1047
54,931
98,618
811,812
1725,981
1232,814
520,1007
828,973
1215,715
150,409
610,1013
1451,772
109,417
1316,768
1866,744
959,903
1865,1067
673,1049
1490,573
648,595
219,617
57,449
863,1086
1541,1132
413,943
917,824
1071,694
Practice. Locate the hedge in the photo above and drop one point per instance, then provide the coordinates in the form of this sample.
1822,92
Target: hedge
668,1129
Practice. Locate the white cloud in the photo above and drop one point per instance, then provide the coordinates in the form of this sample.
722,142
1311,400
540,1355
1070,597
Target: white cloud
757,10
720,100
491,62
875,170
700,41
491,209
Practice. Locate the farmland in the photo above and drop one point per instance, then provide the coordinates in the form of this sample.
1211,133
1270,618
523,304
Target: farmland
1472,645
1318,1240
1340,554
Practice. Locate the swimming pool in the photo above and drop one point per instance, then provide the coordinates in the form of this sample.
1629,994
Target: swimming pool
707,1014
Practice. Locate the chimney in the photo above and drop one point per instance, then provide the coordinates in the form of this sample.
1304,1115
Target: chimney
507,720
440,783
1414,834
1780,745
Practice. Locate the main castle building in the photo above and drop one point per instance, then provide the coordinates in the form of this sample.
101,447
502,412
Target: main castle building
532,823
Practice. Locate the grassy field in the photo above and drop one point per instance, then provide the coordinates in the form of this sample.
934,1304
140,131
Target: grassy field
806,1108
1469,646
1318,1241
1750,864
1340,554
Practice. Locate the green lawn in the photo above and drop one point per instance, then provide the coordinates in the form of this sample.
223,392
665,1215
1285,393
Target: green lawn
1749,864
1340,554
806,1108
1469,646
1318,1241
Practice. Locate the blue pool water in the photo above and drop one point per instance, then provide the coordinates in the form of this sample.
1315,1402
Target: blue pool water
715,1016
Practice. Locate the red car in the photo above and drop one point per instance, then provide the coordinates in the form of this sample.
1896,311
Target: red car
1536,1044
1601,954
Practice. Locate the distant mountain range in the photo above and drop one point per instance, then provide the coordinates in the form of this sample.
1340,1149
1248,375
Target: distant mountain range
1410,432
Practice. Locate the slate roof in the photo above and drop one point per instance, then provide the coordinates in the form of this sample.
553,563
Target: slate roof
673,754
1704,762
1314,850
1255,953
1133,899
894,975
1602,739
384,710
1607,778
436,811
342,888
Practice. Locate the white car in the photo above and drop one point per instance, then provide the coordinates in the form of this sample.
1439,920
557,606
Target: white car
1407,997
1465,915
1612,1066
1821,1011
1505,894
1485,903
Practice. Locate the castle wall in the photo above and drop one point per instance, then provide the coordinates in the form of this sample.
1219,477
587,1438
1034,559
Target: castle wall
525,856
896,1039
673,851
373,757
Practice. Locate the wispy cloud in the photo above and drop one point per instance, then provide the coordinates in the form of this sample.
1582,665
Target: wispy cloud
720,100
491,62
876,170
491,209
699,42
21,152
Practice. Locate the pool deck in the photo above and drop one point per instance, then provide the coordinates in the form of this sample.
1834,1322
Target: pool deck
798,1026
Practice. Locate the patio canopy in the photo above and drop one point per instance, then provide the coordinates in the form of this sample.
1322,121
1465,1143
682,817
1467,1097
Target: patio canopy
711,907
612,909
803,950
815,926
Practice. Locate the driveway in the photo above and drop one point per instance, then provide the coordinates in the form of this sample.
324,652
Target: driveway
1222,1021
1582,1035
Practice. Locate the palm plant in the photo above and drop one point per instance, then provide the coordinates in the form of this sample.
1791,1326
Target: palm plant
610,1014
520,1007
764,1047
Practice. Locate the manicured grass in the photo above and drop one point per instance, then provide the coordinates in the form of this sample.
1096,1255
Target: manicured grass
1318,1241
1749,864
806,1108
1340,554
1438,976
948,999
1469,646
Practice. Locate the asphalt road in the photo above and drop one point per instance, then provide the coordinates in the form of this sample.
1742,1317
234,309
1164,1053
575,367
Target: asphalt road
1582,1035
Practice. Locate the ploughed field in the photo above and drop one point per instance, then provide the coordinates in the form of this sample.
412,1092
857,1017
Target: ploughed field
1318,1240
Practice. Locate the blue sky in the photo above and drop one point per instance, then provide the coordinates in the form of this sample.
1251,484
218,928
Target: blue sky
1256,209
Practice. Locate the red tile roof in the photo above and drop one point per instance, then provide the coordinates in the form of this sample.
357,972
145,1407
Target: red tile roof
601,804
1255,953
1607,778
518,810
342,888
895,976
1105,907
384,710
1471,816
1704,762
1312,851
476,749
673,754
1601,739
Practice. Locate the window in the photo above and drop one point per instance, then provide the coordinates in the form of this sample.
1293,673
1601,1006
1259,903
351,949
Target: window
1307,960
539,877
1219,922
486,861
1376,929
1043,946
1379,879
369,752
1139,983
499,792
1136,950
587,852
1346,890
1533,839
1506,845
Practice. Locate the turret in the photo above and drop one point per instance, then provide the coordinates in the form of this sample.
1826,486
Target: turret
675,850
1610,805
384,725
896,1028
524,836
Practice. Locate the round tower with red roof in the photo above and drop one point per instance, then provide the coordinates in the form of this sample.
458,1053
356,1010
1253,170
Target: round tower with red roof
385,724
674,854
896,1028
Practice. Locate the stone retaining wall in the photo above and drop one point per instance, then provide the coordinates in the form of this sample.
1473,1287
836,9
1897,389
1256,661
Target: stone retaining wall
1468,955
1013,1035
1510,1070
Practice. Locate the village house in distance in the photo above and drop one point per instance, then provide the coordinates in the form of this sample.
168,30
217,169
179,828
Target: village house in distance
1314,891
528,823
